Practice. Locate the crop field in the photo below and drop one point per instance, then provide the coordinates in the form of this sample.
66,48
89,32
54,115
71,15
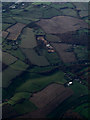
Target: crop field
51,97
64,24
4,34
28,39
47,95
67,57
8,58
76,37
35,58
15,31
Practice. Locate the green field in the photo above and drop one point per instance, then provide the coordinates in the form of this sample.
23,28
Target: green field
81,52
5,26
37,84
34,58
9,74
28,39
83,110
19,96
19,65
69,12
25,107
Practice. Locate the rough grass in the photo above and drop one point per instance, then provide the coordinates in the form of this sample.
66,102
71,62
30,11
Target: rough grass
19,65
35,58
81,52
49,13
5,26
28,39
25,107
52,38
8,75
69,12
82,110
18,96
17,53
37,84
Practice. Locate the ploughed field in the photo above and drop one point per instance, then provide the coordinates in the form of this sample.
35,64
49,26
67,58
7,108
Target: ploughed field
61,24
66,56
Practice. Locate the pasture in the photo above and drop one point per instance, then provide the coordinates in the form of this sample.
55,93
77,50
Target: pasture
19,65
37,84
35,58
28,39
8,75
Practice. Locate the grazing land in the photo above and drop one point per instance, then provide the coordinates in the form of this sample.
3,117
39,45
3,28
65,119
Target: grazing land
35,58
28,39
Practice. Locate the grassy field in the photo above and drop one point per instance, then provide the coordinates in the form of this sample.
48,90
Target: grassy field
8,59
19,65
81,52
69,12
28,39
9,74
47,69
63,5
53,58
5,26
17,53
35,58
49,13
19,96
33,85
25,107
83,110
74,101
52,38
